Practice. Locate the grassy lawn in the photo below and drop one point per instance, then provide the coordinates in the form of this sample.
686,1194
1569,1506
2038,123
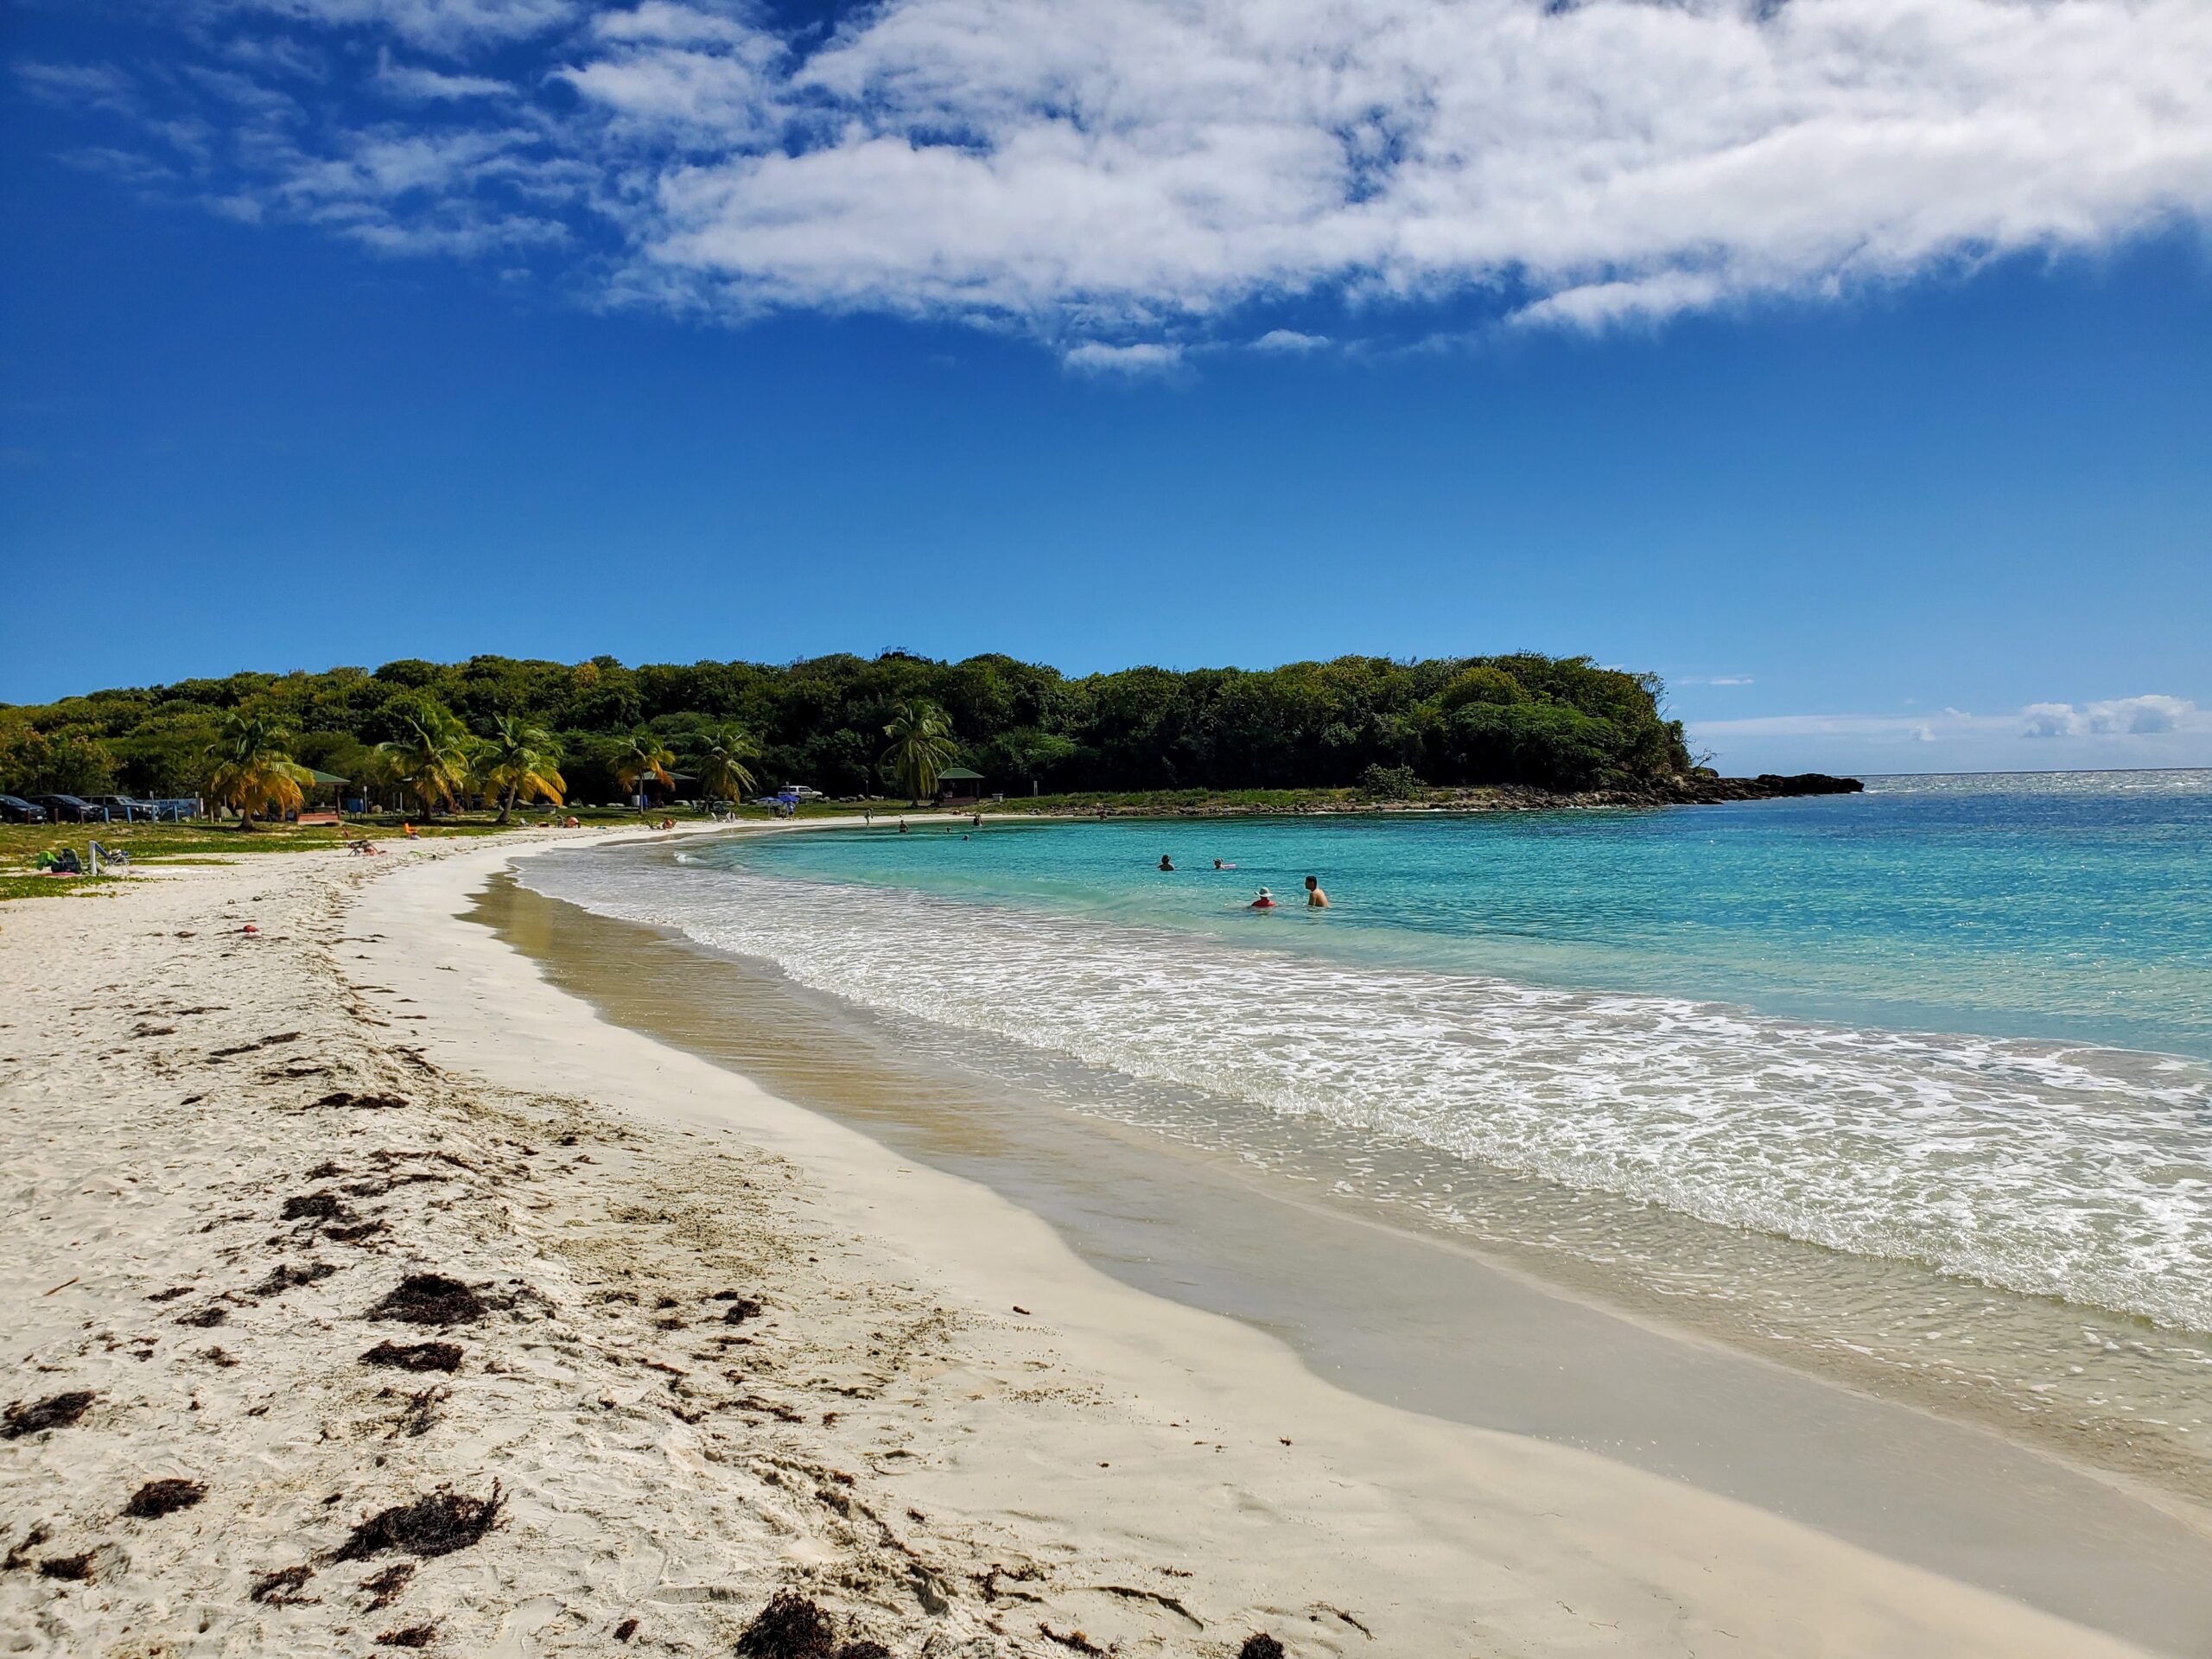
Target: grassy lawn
209,842
180,844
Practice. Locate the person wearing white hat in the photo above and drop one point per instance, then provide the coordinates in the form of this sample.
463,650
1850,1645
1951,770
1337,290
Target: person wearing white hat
1265,901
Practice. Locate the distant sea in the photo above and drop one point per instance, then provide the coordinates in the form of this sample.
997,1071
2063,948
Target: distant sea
1956,1029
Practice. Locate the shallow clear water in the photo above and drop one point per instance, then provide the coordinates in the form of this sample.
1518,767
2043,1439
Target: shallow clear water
1788,1056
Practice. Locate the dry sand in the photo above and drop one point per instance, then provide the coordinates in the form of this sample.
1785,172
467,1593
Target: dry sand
223,1152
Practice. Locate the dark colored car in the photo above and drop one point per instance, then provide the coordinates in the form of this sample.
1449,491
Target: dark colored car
74,808
16,810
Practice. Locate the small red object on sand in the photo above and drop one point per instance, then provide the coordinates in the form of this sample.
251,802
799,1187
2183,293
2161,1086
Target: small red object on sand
249,928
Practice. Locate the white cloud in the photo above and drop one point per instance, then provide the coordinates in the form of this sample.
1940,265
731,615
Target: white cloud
450,26
721,96
1290,340
2143,716
1713,679
1141,169
675,25
79,86
411,83
1094,357
2151,730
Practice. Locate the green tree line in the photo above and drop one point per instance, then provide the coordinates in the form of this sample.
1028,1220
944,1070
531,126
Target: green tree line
851,725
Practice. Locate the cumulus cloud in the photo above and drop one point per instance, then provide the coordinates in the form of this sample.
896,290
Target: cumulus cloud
1096,357
2111,723
1133,171
411,83
1290,340
2144,716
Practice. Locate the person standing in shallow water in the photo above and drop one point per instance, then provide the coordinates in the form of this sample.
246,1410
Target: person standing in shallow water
1166,862
1315,899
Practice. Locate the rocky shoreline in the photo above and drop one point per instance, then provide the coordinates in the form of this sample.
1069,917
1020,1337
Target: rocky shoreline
1694,788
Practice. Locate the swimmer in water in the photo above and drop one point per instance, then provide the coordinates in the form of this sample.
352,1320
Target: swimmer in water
1219,865
1166,862
1265,901
1315,899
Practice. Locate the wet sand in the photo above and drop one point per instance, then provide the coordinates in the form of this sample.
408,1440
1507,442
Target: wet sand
1410,1319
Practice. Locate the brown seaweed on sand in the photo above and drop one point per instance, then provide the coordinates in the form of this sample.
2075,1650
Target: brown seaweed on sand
55,1411
740,1308
283,1276
429,1299
436,1523
415,1636
313,1206
384,1587
159,1497
1074,1641
792,1627
415,1355
282,1587
1259,1645
343,1097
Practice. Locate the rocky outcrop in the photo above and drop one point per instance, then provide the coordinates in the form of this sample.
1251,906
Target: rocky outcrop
1707,788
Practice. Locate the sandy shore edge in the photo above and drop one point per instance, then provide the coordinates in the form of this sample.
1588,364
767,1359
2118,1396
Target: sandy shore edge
941,1424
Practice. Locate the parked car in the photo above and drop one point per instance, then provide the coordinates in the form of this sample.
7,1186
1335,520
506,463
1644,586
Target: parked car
16,810
72,808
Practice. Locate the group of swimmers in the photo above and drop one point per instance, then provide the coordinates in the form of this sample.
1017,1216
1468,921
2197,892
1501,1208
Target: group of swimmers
1315,899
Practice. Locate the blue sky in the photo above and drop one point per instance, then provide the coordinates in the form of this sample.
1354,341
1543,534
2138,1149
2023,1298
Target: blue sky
341,330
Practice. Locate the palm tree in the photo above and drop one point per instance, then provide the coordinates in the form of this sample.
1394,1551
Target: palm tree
253,770
723,750
921,746
431,756
642,756
519,762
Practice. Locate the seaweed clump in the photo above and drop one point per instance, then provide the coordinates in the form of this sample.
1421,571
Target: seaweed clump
437,1523
415,1355
429,1299
1259,1645
55,1411
740,1308
280,1588
347,1099
159,1497
792,1627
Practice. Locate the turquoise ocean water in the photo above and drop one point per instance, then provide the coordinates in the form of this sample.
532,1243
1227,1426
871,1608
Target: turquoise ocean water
1961,1025
2072,905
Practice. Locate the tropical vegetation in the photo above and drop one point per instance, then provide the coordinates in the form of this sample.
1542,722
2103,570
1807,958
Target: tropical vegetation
643,755
594,731
430,758
253,773
519,762
723,753
921,746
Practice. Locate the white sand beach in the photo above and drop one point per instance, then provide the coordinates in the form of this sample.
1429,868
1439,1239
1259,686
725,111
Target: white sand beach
710,1347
